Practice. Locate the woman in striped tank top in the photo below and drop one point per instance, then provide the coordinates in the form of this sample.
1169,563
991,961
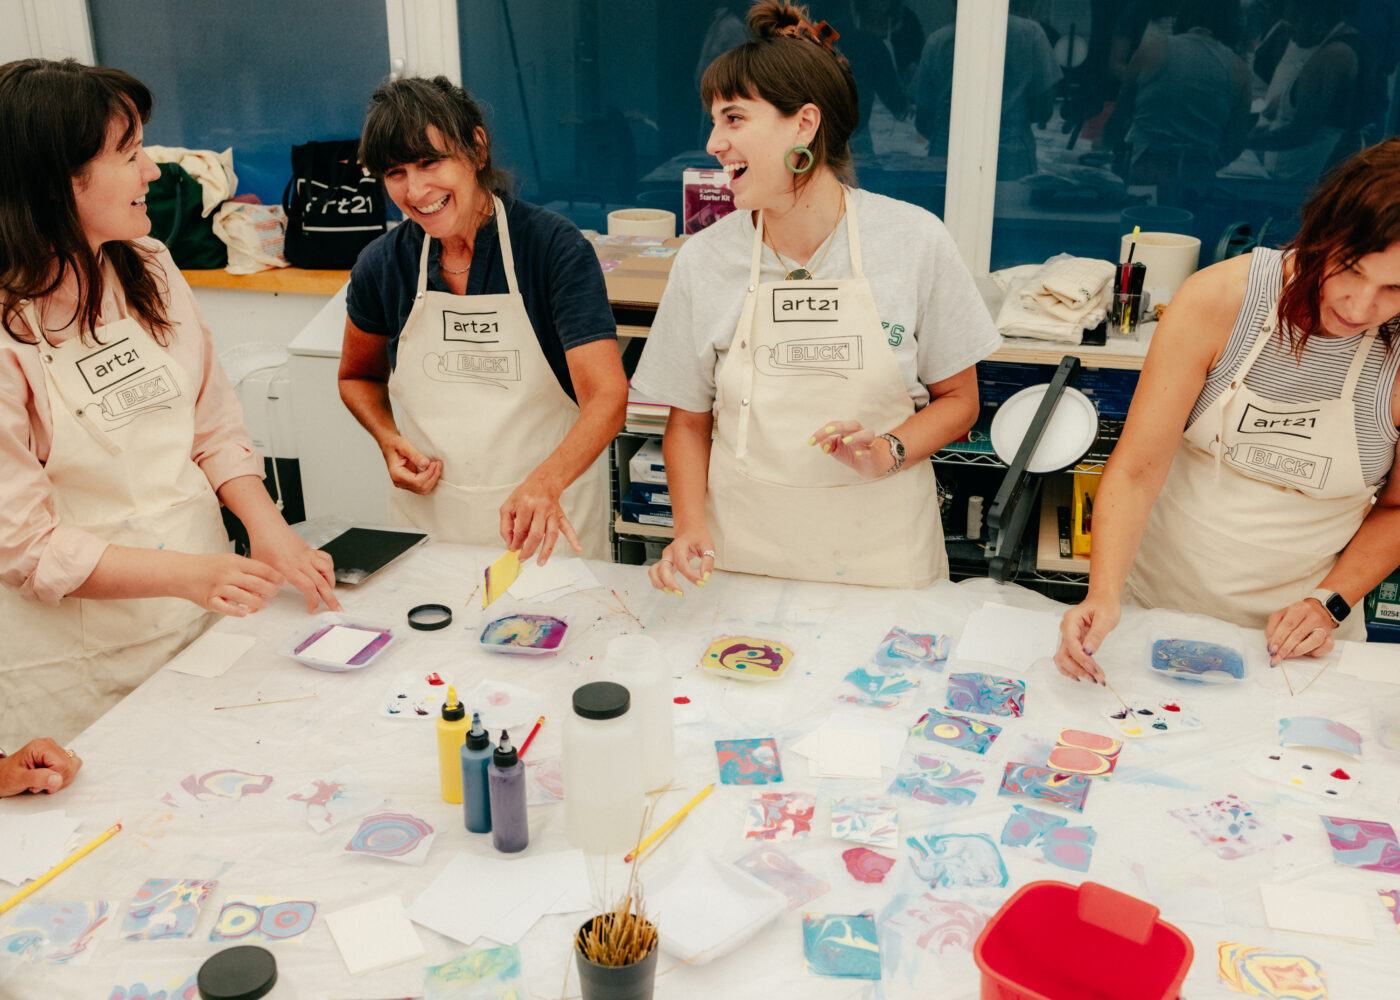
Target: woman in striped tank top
1252,482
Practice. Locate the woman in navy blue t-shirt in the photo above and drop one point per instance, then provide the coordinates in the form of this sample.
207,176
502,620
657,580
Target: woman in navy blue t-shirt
486,320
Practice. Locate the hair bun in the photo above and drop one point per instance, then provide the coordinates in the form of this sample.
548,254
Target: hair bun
778,18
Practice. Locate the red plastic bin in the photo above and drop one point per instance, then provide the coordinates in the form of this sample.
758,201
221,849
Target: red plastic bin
1053,941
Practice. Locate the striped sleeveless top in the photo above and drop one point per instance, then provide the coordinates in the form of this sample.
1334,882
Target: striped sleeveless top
1320,374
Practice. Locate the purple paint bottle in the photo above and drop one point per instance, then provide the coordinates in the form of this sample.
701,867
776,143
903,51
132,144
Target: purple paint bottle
510,826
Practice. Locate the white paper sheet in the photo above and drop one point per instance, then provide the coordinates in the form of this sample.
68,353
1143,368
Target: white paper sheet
1372,661
212,654
32,844
1315,911
508,896
374,935
847,753
1012,638
555,579
340,645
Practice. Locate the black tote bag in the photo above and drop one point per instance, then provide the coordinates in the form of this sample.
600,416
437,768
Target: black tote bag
334,209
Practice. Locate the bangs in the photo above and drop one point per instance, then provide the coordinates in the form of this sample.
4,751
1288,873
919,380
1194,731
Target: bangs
391,140
730,77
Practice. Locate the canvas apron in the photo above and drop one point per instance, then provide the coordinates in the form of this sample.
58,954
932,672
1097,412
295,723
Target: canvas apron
1261,498
473,387
804,352
120,467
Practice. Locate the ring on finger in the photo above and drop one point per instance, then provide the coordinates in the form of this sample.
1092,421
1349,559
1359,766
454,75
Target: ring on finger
708,552
70,753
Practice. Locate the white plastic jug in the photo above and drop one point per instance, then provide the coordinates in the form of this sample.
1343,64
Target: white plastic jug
603,799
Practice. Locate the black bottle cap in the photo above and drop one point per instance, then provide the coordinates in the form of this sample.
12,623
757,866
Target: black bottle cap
477,736
505,755
601,700
243,973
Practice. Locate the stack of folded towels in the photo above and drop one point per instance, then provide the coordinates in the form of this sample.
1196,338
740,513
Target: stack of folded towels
1057,300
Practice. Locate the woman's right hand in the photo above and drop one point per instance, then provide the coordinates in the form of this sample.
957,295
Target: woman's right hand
409,468
1082,631
691,554
229,584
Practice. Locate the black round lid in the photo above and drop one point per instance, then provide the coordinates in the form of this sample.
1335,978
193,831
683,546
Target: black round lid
505,755
477,737
601,700
243,973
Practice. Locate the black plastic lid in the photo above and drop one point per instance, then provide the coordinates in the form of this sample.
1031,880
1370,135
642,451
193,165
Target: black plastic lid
454,711
505,755
601,700
243,973
477,736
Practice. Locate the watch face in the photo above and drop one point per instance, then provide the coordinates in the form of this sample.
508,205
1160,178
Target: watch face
1338,607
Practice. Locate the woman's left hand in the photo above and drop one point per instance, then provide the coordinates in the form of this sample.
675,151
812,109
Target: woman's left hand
532,519
852,444
1304,628
309,570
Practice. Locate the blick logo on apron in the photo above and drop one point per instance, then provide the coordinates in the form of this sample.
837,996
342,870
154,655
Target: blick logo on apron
1281,465
471,327
1293,423
806,305
110,364
811,356
125,403
488,367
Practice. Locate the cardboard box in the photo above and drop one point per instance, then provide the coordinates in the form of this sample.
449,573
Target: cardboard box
635,268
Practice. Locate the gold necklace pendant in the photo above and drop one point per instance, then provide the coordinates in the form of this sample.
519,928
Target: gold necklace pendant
798,274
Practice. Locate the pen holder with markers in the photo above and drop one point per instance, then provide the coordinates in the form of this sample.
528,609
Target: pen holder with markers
1128,300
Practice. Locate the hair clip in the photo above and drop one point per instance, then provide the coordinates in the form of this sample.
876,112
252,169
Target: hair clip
826,35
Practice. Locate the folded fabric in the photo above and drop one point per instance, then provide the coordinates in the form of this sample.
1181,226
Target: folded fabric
1057,300
214,171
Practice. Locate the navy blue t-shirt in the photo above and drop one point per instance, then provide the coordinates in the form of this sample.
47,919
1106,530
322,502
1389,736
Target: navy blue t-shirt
555,268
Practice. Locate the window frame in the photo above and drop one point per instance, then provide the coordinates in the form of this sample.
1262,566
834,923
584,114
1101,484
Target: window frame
423,42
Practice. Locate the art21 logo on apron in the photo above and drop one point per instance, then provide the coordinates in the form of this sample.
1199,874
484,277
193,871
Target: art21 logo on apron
1278,463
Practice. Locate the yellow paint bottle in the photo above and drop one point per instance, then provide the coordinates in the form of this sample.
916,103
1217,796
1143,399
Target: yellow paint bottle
451,734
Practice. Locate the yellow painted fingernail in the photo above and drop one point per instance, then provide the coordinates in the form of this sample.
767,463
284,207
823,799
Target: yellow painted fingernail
812,440
705,578
701,582
847,439
830,429
860,453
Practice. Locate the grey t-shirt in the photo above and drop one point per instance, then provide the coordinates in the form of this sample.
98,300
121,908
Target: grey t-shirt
933,317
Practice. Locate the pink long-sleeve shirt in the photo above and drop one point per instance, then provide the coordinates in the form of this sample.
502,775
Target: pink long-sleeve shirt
40,555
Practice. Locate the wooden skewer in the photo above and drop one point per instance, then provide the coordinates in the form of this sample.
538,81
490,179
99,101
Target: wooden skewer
1315,676
274,701
626,610
1282,670
1115,694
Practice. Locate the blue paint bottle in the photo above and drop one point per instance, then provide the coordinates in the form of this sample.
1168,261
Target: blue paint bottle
476,796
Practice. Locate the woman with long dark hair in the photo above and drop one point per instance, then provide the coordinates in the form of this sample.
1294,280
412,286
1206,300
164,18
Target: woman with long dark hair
816,345
119,433
1253,480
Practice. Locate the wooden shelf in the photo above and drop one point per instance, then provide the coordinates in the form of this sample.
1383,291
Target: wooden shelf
278,280
1126,354
632,529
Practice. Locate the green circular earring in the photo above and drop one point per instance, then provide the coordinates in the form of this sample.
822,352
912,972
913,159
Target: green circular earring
811,161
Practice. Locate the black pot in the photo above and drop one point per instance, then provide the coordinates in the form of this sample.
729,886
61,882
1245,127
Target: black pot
615,982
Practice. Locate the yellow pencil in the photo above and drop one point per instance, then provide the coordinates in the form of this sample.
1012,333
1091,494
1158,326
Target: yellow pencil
63,865
665,827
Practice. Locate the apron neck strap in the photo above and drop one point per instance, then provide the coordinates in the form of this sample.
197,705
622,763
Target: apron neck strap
1358,363
756,258
507,255
852,240
853,234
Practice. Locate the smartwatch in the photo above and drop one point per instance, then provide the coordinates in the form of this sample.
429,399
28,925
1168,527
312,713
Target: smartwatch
896,452
1333,603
